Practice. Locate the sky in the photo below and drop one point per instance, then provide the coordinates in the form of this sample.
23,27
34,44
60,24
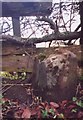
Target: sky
26,0
41,0
73,27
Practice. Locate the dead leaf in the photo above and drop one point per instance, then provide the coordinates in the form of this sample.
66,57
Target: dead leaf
80,114
53,104
26,113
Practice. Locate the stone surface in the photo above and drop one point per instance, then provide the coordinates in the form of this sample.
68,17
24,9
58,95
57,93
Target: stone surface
57,76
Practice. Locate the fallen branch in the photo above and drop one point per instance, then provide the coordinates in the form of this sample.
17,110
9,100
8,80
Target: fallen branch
59,36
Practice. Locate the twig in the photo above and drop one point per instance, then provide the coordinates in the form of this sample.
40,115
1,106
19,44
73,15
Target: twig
52,24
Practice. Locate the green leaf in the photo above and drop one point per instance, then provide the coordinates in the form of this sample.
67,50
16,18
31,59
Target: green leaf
51,111
44,113
74,99
81,77
14,76
1,96
79,103
2,101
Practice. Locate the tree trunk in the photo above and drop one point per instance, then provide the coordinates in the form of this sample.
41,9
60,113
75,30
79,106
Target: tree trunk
81,35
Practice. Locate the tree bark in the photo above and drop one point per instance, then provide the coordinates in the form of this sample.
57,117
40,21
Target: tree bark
81,19
81,35
47,38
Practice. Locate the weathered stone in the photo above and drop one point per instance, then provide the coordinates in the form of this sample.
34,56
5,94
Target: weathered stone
60,76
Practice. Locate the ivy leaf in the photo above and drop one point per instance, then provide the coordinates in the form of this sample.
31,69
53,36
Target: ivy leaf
79,103
74,99
44,113
51,111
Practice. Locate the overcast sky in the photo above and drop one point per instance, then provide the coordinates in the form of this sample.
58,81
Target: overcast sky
26,0
41,0
73,27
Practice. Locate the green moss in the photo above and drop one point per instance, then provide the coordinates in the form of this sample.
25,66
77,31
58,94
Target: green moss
41,56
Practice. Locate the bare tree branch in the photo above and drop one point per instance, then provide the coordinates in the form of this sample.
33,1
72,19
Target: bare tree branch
52,24
78,27
69,42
